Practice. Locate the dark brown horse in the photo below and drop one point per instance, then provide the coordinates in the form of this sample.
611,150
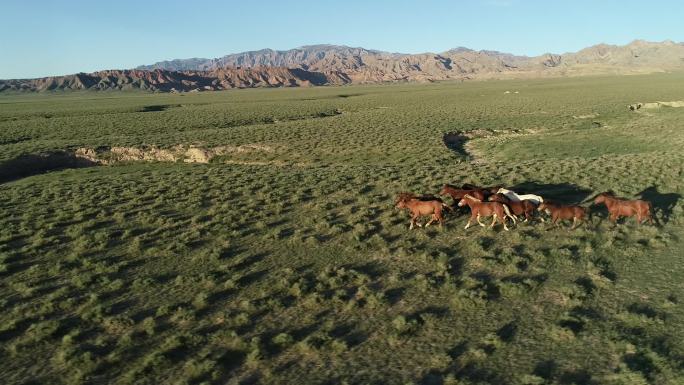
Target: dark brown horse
486,209
562,212
524,207
422,205
618,207
487,190
457,194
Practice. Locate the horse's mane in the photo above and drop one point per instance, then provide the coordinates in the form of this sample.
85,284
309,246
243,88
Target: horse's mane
404,196
471,198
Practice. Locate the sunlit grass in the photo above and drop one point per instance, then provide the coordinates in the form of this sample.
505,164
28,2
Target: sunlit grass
303,271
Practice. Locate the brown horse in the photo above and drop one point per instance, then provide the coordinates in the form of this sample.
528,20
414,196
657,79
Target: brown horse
487,190
486,209
618,207
524,207
422,205
458,194
556,211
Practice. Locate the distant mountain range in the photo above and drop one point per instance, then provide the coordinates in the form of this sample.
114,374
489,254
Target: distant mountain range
335,65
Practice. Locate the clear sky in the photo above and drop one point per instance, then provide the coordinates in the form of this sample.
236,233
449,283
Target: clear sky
56,37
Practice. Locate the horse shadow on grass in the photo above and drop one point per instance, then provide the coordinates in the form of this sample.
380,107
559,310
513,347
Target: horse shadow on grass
663,203
565,193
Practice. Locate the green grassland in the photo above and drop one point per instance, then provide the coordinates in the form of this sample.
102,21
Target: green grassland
294,267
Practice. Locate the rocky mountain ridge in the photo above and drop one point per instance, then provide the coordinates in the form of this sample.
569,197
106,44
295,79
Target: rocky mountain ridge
335,65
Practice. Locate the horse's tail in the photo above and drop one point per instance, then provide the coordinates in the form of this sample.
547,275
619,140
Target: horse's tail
650,212
508,212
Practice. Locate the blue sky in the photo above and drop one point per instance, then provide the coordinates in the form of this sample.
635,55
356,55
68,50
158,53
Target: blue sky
51,37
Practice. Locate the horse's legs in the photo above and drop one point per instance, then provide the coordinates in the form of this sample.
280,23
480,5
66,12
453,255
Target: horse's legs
414,219
574,223
493,221
469,220
613,217
478,221
554,220
503,220
432,219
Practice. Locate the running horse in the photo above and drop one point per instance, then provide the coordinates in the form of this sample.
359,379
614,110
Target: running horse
422,205
458,193
557,211
619,207
524,207
487,190
512,195
478,209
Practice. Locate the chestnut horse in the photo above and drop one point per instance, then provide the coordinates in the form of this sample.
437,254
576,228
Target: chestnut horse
458,194
618,207
422,205
556,211
486,209
487,190
524,207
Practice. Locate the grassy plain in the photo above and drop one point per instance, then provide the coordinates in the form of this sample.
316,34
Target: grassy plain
293,267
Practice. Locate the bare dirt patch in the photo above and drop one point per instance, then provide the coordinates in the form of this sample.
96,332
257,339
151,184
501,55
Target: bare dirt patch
654,105
179,153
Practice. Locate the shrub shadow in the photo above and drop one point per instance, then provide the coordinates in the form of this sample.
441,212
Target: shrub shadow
35,164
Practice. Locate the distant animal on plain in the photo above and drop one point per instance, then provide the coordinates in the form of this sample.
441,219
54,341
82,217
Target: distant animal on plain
421,206
620,207
563,212
524,207
512,195
478,209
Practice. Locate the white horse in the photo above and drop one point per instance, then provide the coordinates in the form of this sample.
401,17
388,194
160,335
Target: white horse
536,199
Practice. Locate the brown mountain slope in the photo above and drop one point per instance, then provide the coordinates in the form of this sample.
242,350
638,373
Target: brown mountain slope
169,81
362,65
334,65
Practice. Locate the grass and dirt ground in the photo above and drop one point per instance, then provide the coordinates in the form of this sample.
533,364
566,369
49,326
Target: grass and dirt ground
292,266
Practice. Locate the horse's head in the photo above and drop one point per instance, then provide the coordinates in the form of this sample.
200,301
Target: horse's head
494,190
542,206
497,198
445,190
466,198
402,199
601,198
500,190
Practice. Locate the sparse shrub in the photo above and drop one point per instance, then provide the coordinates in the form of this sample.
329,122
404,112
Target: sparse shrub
200,301
149,326
282,340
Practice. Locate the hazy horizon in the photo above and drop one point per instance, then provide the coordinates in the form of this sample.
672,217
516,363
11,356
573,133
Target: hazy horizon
85,37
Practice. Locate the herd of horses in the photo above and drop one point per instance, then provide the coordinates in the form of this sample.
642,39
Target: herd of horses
502,204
